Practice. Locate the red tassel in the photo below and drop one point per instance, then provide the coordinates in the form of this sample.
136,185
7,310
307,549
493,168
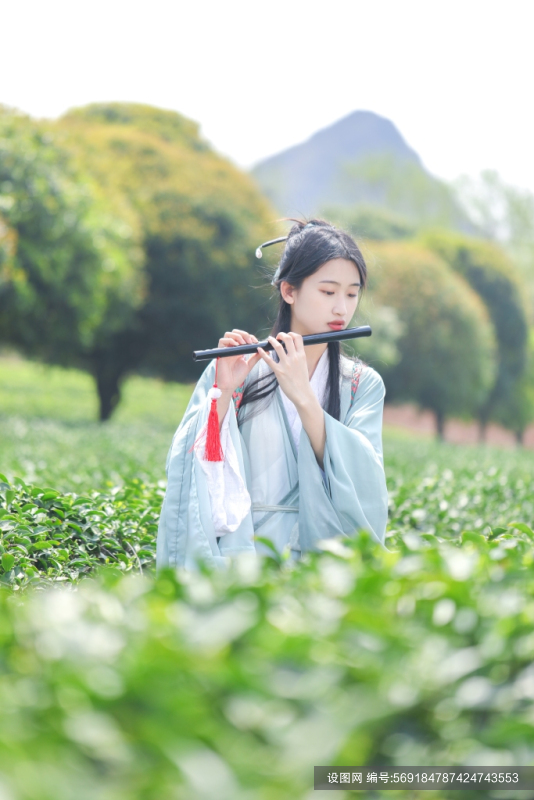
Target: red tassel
213,450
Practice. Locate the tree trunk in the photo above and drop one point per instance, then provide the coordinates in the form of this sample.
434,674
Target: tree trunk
108,385
520,438
440,425
482,430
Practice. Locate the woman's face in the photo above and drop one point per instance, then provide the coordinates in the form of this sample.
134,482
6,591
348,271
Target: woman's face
326,300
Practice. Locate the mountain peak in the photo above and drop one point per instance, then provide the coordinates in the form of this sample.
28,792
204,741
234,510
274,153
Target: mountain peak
364,133
303,178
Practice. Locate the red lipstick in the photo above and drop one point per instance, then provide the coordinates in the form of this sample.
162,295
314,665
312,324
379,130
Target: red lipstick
336,326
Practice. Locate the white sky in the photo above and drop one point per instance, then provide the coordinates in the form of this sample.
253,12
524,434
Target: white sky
455,77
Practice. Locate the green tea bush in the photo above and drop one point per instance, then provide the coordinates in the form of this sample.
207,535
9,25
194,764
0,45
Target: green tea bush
434,490
438,490
447,489
48,536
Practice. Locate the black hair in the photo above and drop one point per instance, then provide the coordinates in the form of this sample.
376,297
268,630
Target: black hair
309,245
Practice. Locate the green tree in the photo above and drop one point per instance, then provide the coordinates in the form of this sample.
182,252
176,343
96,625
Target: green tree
447,344
491,274
381,350
199,221
63,263
371,222
505,214
8,245
518,412
125,243
404,188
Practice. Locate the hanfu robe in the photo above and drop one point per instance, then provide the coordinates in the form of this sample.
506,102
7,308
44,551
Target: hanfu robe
270,484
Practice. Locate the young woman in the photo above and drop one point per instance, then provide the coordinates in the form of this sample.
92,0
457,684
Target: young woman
300,427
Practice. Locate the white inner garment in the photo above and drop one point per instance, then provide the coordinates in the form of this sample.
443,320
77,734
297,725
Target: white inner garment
318,383
230,498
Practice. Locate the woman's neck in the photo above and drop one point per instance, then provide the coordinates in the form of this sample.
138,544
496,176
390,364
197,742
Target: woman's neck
313,351
313,355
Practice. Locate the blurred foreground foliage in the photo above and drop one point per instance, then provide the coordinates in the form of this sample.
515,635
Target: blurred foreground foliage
234,684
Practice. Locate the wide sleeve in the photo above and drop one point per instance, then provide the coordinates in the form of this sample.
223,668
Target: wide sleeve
353,494
229,497
186,532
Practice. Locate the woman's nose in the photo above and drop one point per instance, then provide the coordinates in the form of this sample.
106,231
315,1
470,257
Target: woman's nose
340,307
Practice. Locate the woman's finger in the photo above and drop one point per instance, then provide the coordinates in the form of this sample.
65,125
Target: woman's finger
297,341
288,341
269,360
237,336
278,348
249,337
227,342
253,360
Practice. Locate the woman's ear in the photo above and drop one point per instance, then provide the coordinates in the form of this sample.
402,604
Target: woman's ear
286,290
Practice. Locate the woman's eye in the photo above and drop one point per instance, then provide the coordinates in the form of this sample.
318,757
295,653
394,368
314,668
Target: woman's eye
323,291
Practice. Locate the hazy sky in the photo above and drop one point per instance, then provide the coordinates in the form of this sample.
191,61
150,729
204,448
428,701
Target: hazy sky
455,77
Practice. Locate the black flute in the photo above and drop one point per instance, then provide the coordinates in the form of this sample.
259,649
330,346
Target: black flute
313,338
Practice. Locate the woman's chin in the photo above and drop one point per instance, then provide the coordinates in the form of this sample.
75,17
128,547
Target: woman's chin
317,330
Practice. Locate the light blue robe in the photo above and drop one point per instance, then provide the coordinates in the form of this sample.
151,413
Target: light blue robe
294,502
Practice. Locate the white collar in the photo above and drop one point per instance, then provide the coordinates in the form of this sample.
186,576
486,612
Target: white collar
318,383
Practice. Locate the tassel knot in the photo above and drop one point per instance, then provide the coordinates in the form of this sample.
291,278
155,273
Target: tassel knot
213,450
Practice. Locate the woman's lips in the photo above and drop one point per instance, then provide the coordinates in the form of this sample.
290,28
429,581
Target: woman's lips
336,326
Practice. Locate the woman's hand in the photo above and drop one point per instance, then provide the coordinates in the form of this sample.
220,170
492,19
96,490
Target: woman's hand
232,371
292,368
